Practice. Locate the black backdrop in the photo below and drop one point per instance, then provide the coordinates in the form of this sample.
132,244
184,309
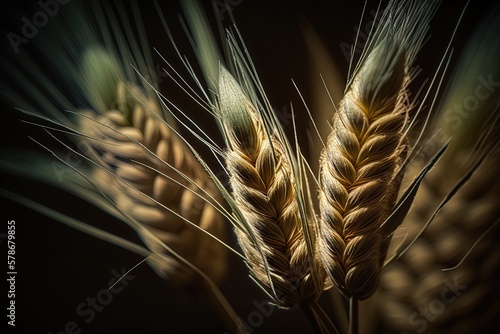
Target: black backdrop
58,267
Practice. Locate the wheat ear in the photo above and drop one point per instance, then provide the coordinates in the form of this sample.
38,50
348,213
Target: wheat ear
272,211
131,162
264,191
155,180
363,153
461,299
452,270
358,166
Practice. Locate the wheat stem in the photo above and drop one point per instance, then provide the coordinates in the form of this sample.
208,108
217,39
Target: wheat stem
318,319
222,306
340,311
353,315
330,326
313,319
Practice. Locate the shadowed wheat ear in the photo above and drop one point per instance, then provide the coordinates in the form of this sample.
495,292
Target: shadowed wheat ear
155,180
463,237
131,161
454,264
359,166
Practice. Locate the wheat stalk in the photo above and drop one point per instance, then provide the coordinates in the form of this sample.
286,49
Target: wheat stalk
151,179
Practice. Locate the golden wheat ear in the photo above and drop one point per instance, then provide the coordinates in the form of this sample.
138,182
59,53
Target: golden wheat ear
264,191
365,150
272,212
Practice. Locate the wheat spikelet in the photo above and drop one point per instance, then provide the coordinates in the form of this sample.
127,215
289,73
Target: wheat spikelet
264,190
363,154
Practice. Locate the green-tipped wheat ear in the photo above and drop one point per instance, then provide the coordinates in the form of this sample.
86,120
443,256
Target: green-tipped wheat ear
272,211
264,191
359,166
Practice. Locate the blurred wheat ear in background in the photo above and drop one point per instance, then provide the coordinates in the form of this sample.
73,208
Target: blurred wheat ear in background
155,181
130,160
348,229
447,281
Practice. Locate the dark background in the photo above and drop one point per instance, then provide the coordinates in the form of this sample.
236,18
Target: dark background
58,267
